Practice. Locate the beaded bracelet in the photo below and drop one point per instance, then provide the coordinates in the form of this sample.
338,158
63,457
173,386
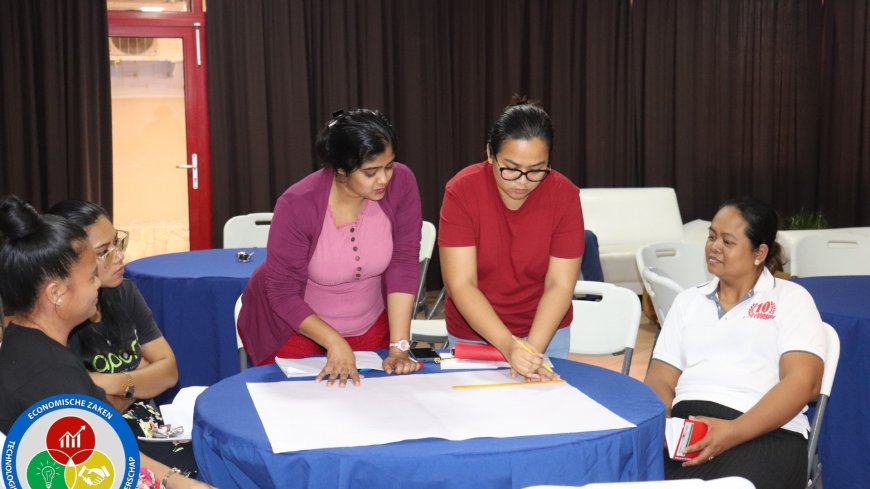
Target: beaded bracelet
169,473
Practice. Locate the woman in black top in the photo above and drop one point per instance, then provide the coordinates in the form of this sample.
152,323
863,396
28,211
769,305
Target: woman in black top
49,283
120,344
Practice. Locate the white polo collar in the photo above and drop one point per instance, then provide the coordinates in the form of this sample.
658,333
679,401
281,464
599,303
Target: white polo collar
766,281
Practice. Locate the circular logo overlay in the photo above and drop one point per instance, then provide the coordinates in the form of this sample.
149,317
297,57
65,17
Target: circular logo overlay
70,442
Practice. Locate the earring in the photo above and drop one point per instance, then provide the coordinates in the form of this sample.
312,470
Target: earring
757,262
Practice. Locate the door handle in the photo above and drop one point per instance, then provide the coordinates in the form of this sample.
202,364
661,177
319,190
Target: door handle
194,165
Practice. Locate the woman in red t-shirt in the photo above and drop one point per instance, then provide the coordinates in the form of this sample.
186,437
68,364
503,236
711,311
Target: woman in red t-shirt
511,238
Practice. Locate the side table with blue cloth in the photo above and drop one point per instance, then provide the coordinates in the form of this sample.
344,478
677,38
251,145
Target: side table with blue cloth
192,295
844,447
232,449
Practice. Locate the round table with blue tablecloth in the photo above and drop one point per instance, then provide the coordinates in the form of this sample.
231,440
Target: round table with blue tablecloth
192,296
233,451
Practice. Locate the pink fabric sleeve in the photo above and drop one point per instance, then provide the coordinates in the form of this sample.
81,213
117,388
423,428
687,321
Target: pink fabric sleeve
286,272
403,274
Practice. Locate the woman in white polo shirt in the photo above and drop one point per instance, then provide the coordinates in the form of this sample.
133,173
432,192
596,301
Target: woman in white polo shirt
744,354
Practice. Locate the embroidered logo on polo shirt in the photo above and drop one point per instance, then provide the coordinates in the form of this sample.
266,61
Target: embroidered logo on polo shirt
762,310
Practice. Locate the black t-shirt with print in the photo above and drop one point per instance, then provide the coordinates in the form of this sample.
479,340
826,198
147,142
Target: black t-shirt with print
115,343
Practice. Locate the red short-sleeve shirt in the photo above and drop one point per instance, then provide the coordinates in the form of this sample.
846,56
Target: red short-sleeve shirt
513,247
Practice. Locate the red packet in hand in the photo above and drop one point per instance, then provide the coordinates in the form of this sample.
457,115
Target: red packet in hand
681,433
475,351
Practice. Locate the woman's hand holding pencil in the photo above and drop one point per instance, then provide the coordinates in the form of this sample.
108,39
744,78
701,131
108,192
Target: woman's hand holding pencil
528,362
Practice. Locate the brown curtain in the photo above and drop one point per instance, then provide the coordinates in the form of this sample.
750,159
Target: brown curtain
716,98
844,166
727,100
55,105
440,69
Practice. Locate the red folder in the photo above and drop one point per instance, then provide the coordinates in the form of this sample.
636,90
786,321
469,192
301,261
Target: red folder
475,351
681,433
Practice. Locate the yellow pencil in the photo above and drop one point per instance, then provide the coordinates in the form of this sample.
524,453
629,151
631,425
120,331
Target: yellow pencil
528,348
507,384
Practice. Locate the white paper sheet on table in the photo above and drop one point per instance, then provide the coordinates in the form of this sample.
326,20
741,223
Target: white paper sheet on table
449,362
306,415
466,364
312,366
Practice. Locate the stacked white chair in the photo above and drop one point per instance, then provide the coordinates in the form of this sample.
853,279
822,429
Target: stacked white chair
662,291
669,268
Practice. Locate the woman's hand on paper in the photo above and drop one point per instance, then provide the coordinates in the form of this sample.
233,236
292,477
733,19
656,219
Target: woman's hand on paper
722,435
525,363
545,374
398,362
340,365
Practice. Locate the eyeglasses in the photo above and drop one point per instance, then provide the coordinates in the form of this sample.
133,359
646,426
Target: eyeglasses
119,245
513,174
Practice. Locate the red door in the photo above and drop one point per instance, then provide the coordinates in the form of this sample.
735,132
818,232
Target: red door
162,158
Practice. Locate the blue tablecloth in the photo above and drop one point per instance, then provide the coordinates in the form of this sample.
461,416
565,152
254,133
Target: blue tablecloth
232,449
193,295
844,446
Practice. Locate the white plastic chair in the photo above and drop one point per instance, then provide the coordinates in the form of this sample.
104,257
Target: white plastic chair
684,263
666,269
243,357
430,330
662,291
248,230
607,326
831,254
427,244
832,358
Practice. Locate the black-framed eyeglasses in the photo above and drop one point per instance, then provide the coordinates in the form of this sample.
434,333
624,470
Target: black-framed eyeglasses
513,174
119,245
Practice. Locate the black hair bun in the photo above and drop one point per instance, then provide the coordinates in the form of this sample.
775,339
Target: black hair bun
18,219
